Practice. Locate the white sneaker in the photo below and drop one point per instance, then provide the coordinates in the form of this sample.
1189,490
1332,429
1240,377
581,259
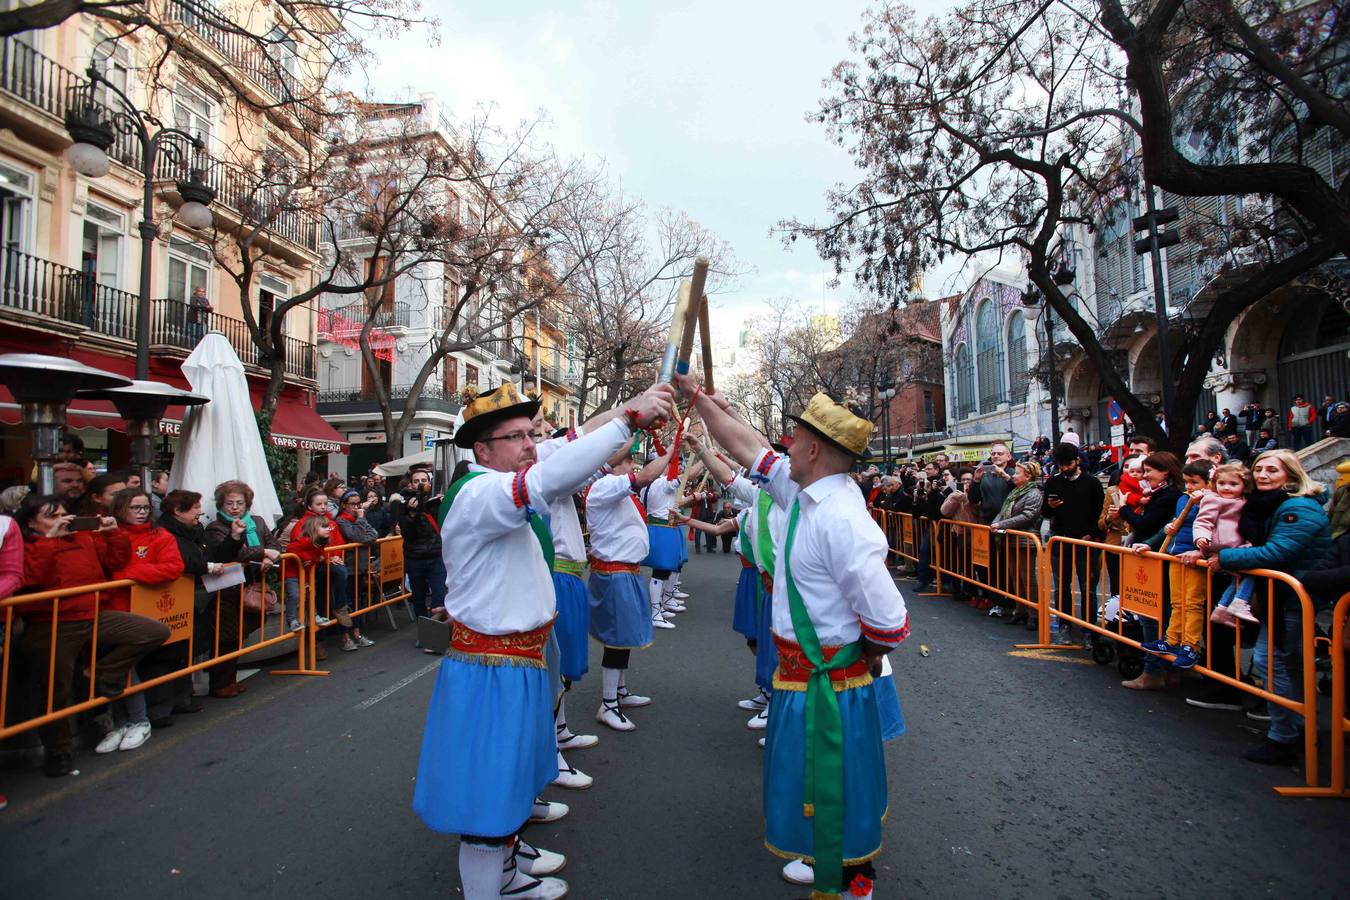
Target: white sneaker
322,621
530,888
536,861
111,741
675,606
613,717
761,742
577,741
759,721
548,811
659,621
632,700
573,779
680,595
755,703
136,735
296,626
798,872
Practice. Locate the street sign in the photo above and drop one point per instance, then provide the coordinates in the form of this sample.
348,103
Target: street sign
1114,413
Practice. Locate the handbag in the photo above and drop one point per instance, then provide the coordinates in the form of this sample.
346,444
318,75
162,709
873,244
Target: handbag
259,598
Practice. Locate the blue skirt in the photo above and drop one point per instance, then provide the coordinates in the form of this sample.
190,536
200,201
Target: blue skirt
621,612
888,708
787,832
746,610
684,544
667,552
481,768
572,625
766,651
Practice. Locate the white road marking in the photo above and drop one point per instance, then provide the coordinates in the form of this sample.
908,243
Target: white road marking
371,701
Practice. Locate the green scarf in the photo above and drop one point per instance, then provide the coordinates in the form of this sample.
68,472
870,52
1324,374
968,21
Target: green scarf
250,527
537,523
1012,498
823,794
765,549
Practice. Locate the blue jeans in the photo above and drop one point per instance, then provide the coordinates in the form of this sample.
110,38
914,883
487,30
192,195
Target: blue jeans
424,575
1240,589
1285,662
335,580
923,569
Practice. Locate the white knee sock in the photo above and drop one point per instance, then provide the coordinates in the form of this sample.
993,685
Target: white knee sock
623,680
668,588
610,679
480,869
656,591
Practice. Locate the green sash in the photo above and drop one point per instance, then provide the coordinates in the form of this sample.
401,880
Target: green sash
823,794
748,551
537,523
766,551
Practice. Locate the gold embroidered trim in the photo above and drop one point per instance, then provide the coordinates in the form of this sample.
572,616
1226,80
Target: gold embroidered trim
784,854
846,684
496,659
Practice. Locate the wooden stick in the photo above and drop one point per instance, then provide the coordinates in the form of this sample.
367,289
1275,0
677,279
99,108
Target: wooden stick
675,338
706,342
1176,523
691,313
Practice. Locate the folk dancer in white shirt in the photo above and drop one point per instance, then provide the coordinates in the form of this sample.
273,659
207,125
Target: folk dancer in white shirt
489,746
620,617
568,649
836,613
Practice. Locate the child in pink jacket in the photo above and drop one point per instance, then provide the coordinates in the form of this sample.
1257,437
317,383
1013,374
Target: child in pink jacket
1216,528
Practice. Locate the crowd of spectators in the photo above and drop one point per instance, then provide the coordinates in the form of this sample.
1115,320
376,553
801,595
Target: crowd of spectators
1221,509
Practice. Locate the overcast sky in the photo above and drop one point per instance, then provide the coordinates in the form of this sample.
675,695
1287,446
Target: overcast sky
700,108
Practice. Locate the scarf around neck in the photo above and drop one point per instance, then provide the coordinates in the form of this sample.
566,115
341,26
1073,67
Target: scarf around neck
250,527
1014,495
1256,513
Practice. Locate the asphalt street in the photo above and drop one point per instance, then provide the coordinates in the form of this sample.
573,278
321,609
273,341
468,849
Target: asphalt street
1018,777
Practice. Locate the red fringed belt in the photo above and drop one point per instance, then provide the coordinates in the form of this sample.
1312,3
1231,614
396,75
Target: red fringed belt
610,568
794,669
518,648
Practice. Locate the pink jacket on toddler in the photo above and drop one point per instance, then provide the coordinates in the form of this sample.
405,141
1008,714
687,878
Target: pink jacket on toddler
1217,521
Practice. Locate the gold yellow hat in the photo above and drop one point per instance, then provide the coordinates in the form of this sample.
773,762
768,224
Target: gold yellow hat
834,422
488,409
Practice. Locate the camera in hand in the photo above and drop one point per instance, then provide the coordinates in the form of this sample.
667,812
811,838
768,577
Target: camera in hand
85,523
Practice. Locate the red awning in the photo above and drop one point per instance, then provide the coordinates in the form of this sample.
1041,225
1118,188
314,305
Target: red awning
295,424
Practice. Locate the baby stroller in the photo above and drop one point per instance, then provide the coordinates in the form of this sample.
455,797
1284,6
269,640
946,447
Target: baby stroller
1129,661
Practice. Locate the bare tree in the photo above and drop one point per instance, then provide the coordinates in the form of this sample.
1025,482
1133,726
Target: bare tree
625,272
995,128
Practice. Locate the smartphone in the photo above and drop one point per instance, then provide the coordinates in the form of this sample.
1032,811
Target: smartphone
85,523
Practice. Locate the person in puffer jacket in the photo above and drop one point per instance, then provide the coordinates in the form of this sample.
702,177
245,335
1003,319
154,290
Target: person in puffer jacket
56,558
1289,533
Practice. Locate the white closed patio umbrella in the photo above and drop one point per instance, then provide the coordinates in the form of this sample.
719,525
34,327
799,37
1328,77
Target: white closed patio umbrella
220,441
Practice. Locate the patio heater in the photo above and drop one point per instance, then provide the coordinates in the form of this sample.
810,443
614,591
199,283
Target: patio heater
43,386
142,404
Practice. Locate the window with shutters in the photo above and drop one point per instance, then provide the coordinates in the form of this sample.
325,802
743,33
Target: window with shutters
1017,358
988,362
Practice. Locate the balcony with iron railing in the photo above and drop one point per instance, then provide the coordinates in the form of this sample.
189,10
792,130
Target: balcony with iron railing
348,320
248,54
364,400
38,293
52,89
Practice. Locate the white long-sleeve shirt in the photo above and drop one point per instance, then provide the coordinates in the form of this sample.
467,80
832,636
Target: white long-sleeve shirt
497,581
568,540
744,490
838,560
660,496
618,529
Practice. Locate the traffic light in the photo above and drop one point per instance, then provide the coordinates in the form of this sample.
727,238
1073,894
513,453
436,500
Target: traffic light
1160,217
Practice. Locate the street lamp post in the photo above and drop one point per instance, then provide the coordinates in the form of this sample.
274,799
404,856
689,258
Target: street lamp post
1033,298
886,396
93,135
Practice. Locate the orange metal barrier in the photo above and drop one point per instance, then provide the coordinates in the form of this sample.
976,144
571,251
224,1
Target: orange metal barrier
1008,564
1340,717
1142,592
902,533
369,581
172,604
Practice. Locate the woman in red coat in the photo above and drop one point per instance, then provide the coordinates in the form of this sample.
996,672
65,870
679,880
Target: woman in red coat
154,560
57,558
